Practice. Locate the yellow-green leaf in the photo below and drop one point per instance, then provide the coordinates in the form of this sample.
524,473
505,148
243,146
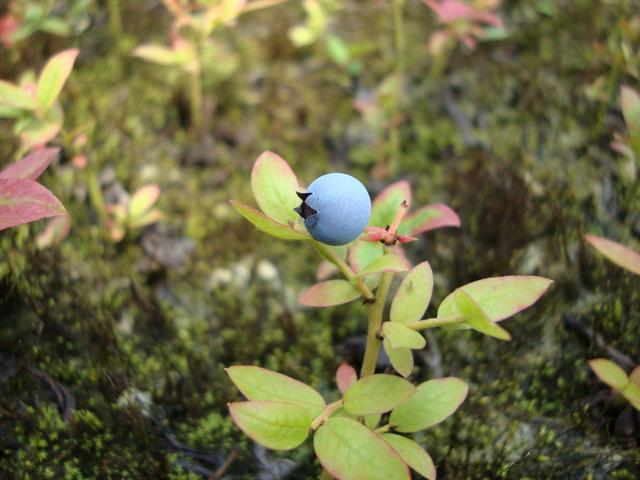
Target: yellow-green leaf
257,383
267,224
53,77
413,454
276,425
632,393
433,402
617,253
476,318
13,96
274,187
401,358
609,373
413,295
386,263
399,335
377,394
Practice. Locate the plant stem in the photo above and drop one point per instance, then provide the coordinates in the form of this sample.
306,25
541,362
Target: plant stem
326,413
330,254
400,42
95,194
195,95
376,309
398,25
436,322
115,19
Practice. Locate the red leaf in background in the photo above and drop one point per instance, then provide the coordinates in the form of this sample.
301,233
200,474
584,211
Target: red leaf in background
32,165
449,11
9,25
23,200
345,376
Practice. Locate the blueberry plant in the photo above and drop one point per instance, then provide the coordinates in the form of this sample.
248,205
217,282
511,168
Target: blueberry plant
22,198
33,103
192,45
363,434
134,213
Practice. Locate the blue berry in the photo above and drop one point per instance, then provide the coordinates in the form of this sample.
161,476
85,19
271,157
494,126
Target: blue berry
336,208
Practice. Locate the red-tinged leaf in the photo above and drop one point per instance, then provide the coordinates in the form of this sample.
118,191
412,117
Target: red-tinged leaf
274,187
325,270
345,376
38,132
53,77
630,102
617,253
609,373
386,205
499,297
23,200
32,165
350,451
430,217
329,293
634,376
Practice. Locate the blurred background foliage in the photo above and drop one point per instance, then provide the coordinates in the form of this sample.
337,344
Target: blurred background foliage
112,353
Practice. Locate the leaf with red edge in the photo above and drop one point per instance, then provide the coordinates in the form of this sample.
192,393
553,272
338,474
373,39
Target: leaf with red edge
329,293
430,217
617,253
387,203
345,376
413,454
350,451
274,187
23,201
499,297
32,165
53,77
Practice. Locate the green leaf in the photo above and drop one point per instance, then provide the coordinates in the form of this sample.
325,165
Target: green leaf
274,187
362,253
499,297
143,199
268,225
377,394
350,451
53,77
630,102
609,373
401,358
13,96
372,421
329,293
632,393
413,454
399,335
155,54
387,203
257,383
617,253
433,402
338,50
476,318
276,425
430,217
386,263
413,295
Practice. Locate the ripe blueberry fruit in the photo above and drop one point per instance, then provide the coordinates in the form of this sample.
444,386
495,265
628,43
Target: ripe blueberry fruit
336,207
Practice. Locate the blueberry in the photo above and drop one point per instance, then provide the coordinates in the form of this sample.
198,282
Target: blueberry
336,207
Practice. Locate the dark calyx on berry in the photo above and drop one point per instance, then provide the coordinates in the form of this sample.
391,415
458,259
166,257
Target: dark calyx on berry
304,210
